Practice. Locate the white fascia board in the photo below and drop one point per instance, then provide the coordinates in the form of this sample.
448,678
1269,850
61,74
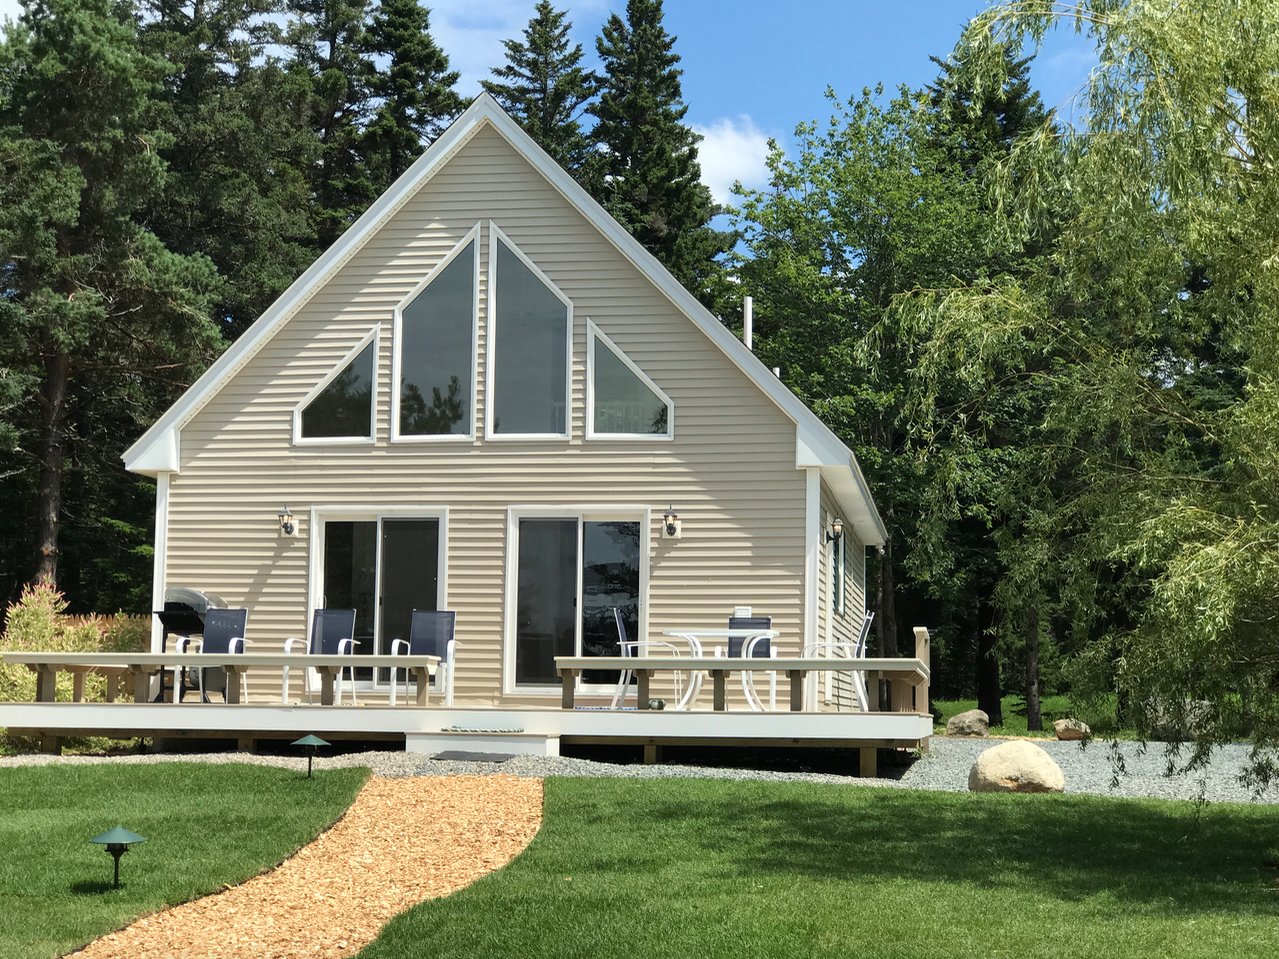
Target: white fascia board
848,487
141,456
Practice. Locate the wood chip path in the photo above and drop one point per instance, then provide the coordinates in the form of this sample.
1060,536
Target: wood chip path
400,842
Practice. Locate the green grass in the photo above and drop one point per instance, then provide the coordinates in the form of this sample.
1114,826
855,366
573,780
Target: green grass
1101,721
708,869
206,826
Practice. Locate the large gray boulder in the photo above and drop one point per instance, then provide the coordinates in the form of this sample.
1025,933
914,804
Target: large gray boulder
1072,729
1017,766
975,722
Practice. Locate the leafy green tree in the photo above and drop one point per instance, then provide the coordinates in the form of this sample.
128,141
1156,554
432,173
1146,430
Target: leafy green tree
544,86
1149,330
650,178
867,208
97,315
413,92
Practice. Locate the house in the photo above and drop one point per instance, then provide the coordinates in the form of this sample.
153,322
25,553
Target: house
488,397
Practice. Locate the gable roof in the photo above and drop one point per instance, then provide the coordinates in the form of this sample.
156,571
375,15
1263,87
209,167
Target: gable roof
157,450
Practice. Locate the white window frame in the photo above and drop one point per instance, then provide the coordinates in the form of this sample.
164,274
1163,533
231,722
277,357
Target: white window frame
604,513
372,336
495,236
364,514
594,333
397,352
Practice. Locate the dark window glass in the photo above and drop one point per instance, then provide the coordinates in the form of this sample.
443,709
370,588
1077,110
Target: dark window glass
546,599
623,401
437,363
345,406
530,355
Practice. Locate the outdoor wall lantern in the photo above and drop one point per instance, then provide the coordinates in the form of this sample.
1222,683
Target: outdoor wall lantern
311,742
117,841
671,526
286,522
836,531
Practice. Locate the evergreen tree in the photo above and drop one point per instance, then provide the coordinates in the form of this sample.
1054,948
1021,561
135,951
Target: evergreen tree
414,92
100,321
650,178
237,186
544,86
327,40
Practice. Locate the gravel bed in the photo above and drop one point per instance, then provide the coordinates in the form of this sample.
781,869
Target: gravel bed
1088,769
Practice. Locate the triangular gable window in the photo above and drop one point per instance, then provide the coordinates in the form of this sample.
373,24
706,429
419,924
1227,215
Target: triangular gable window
624,402
341,406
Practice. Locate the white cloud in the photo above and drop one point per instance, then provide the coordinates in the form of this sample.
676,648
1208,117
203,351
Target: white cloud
732,148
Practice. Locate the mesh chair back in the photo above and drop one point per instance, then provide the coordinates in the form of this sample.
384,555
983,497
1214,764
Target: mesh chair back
859,647
328,628
220,627
622,639
430,631
762,649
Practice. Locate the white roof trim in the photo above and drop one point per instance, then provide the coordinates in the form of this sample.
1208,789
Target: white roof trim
816,445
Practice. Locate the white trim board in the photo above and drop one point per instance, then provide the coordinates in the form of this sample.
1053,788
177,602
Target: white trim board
816,445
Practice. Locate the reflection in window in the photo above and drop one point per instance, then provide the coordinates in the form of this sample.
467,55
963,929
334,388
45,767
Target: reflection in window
344,408
530,376
623,402
437,367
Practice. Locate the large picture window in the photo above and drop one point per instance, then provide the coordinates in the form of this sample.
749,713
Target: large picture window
530,330
435,350
340,408
623,403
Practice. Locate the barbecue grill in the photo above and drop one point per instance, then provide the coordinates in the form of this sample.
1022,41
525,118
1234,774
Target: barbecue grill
183,615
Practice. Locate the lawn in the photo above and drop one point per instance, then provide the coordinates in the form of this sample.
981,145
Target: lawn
684,868
1101,720
206,825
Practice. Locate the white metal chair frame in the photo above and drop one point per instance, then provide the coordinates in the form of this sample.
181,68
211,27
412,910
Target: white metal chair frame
310,678
844,649
181,644
443,672
633,648
748,676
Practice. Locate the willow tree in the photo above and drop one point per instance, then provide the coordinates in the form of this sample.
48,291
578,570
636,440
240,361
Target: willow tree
1151,332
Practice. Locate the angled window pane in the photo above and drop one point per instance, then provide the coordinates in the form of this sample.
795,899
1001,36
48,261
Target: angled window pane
344,408
623,402
530,363
437,365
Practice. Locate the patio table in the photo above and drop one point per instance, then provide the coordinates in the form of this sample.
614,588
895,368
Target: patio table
142,666
903,671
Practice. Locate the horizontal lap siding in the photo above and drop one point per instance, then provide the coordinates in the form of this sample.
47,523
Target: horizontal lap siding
729,472
842,628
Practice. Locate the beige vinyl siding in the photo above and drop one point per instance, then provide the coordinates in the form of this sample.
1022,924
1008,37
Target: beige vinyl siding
837,692
729,471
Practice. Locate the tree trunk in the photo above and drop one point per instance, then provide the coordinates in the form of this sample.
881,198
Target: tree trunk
989,692
888,593
53,401
1034,720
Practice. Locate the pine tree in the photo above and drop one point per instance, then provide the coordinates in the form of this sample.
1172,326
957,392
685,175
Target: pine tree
237,185
327,40
414,92
544,86
102,323
650,177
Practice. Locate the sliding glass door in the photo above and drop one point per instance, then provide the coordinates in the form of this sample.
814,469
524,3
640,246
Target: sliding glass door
571,573
383,568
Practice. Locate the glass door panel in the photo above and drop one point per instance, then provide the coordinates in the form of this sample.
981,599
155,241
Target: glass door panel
610,580
546,598
410,577
350,574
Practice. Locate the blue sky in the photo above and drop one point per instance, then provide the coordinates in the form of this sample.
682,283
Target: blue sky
753,69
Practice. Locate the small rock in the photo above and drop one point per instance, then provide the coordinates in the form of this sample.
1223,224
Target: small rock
974,722
1016,767
1072,729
